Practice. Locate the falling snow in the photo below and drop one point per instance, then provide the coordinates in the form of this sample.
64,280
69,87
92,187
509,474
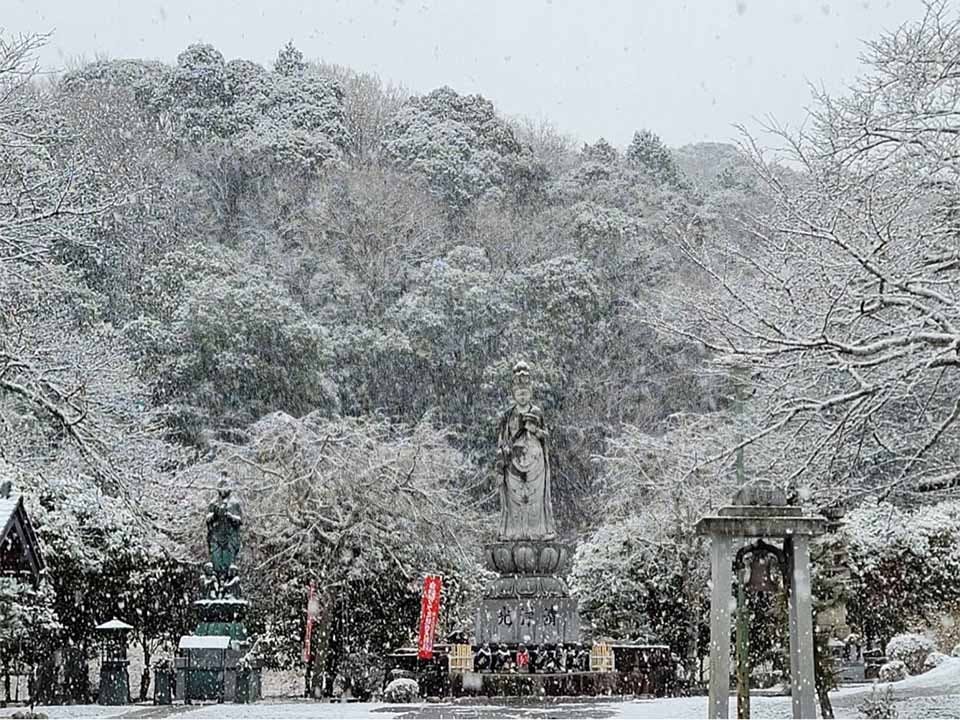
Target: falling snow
308,283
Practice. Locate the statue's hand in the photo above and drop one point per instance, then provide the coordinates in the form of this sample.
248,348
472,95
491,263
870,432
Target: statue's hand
539,432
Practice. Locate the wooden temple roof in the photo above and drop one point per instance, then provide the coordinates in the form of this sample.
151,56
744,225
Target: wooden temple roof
19,549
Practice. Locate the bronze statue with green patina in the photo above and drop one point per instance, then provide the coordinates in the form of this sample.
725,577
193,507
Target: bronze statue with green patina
224,518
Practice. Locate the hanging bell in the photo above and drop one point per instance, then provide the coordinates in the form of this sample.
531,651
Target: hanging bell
760,580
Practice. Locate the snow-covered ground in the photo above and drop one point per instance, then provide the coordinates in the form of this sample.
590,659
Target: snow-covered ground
935,694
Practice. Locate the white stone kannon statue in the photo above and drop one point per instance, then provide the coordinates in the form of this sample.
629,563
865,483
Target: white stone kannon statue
523,466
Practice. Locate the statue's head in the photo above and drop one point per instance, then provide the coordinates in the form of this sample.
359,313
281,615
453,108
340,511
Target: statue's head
223,487
208,568
522,383
234,570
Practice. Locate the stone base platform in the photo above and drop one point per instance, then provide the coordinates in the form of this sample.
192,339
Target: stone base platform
500,685
222,617
532,621
209,667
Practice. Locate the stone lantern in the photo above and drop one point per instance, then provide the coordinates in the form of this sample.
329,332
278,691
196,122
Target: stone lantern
763,513
114,678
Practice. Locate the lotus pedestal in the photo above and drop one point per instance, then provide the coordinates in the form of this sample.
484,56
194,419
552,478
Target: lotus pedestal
529,602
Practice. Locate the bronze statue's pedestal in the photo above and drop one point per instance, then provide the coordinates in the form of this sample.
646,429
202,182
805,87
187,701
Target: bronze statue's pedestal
209,664
222,617
529,602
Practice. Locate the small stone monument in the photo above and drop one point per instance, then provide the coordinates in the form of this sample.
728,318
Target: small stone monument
761,511
529,602
210,664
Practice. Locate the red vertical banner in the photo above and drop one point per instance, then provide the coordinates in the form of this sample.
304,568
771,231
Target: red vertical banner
313,609
429,612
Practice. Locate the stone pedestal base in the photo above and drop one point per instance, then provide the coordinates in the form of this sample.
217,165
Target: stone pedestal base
222,617
533,621
208,663
530,602
215,674
575,684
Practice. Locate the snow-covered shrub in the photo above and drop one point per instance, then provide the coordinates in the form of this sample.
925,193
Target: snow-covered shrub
401,690
956,650
919,548
912,649
878,706
893,671
934,659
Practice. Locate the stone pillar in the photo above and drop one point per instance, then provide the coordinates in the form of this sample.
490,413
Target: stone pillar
720,601
802,677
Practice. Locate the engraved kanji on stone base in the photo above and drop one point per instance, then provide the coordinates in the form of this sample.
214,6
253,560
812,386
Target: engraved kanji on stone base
534,620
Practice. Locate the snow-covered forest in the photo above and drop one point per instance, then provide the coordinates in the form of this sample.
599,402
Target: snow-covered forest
315,281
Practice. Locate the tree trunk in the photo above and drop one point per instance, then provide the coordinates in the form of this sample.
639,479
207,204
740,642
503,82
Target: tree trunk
43,687
320,641
692,660
76,675
145,675
743,652
823,672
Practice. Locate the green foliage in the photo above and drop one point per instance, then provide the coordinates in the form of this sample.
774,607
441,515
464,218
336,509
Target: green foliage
299,126
196,93
103,563
648,154
456,141
903,563
631,585
28,621
234,351
289,60
601,152
129,74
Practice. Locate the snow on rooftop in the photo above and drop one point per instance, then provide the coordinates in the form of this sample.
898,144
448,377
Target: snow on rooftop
204,642
114,625
8,506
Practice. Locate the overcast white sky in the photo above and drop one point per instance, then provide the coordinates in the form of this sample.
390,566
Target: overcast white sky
686,70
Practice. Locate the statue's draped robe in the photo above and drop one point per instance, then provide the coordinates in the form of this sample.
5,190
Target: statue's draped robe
526,511
223,535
